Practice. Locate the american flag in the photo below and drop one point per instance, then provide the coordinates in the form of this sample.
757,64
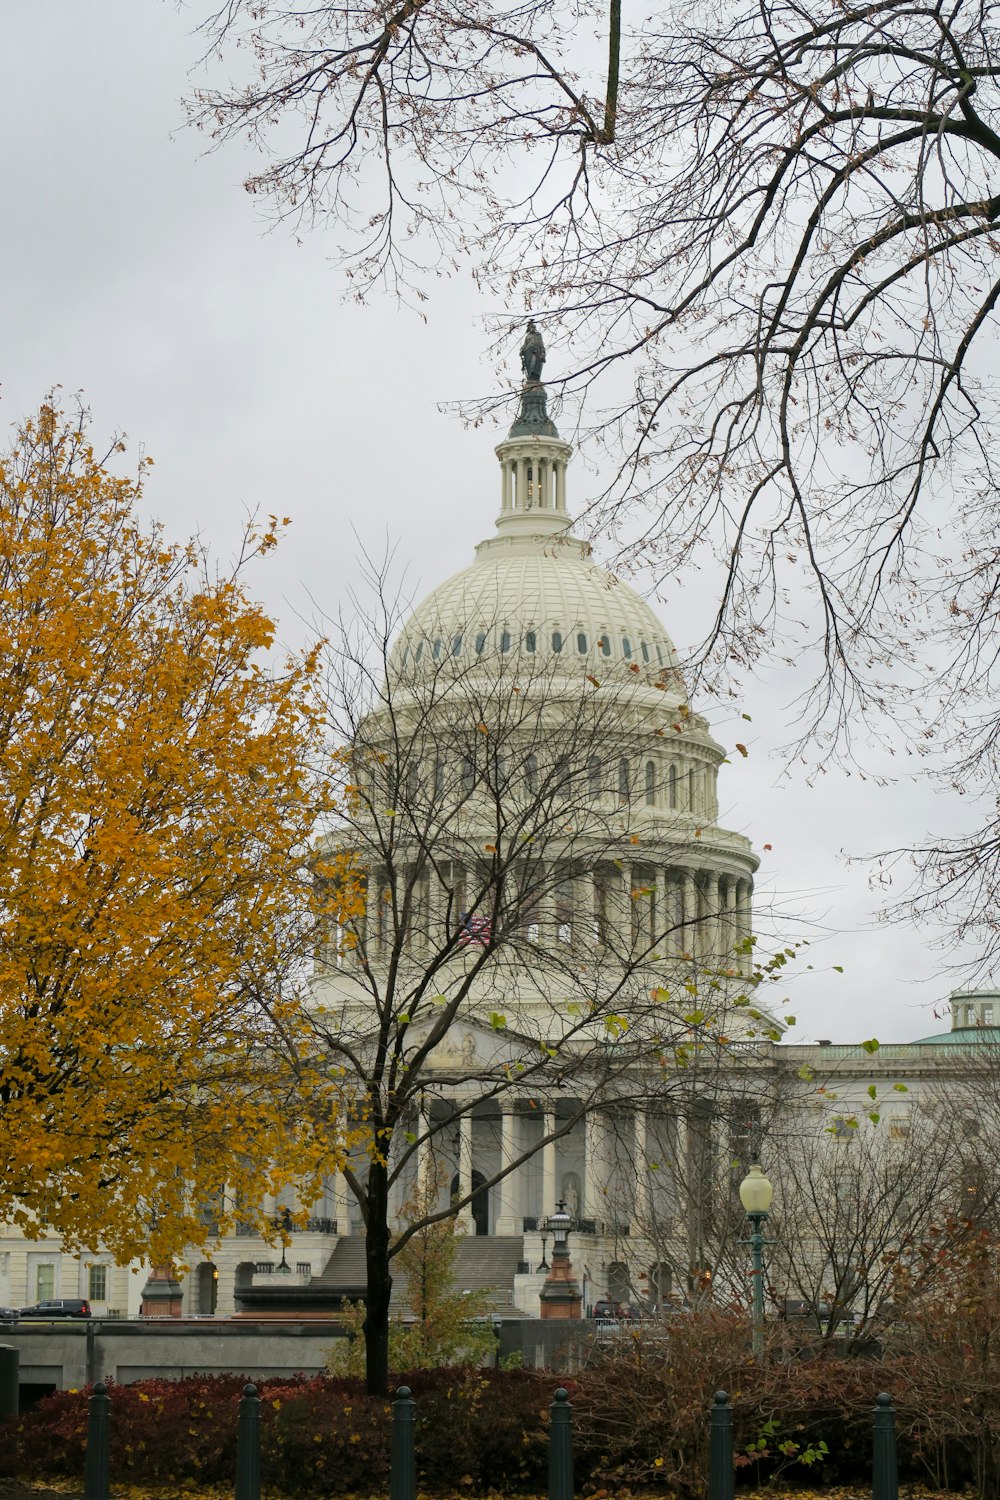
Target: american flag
474,929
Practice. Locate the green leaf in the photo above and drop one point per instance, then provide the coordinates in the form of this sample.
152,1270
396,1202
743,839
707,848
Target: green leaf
874,1117
870,1046
497,1021
901,1088
872,1091
838,968
403,1020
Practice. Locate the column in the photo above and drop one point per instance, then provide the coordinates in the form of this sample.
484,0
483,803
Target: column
731,925
465,1215
560,485
522,484
689,905
507,1221
423,1152
744,918
593,1205
341,1203
642,1218
548,1165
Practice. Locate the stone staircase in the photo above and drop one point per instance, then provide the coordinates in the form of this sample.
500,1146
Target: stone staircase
483,1262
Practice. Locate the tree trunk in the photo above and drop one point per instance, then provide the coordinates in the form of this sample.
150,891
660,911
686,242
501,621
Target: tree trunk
379,1283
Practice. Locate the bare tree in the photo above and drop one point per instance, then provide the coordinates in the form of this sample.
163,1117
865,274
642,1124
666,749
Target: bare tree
521,939
780,220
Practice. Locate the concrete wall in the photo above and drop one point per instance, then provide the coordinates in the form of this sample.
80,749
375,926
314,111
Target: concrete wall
75,1353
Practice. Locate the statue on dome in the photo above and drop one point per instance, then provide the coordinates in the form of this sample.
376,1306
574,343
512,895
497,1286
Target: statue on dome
532,354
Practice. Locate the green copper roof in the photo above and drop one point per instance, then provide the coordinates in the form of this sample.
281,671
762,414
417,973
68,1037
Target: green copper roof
962,1036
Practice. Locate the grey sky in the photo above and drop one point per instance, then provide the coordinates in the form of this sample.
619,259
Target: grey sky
137,271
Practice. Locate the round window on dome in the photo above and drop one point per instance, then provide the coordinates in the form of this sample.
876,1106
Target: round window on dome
557,641
505,641
480,643
645,650
437,649
581,643
605,645
626,648
456,645
530,641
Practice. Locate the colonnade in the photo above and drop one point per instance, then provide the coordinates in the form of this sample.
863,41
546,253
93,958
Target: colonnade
583,1166
666,909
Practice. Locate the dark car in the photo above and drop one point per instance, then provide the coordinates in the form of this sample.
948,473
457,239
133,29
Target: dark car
58,1307
605,1308
9,1314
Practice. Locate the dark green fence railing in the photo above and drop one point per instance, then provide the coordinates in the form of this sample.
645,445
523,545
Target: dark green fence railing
403,1454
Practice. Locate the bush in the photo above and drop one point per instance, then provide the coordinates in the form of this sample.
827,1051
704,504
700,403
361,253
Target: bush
324,1436
640,1413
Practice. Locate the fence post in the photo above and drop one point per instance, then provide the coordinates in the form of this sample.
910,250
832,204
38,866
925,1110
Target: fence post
721,1474
561,1447
248,1446
403,1462
97,1469
9,1390
884,1481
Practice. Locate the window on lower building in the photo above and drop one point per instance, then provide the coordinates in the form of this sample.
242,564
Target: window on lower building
45,1282
98,1284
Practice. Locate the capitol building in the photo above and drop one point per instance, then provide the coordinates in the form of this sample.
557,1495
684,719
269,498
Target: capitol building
552,993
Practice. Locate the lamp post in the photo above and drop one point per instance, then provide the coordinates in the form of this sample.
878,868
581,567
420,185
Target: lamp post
755,1195
560,1296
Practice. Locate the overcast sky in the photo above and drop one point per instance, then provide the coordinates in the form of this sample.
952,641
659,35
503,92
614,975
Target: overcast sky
137,272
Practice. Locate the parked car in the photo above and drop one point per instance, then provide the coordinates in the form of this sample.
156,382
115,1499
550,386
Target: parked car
58,1307
608,1309
9,1314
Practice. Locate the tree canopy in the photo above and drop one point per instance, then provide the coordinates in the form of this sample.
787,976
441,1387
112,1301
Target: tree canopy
157,799
777,222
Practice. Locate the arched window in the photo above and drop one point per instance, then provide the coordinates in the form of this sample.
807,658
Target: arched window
605,645
456,645
437,649
402,659
659,654
419,651
645,650
468,775
505,641
626,648
623,777
562,776
557,642
480,642
531,773
530,641
438,777
594,776
650,783
672,785
581,643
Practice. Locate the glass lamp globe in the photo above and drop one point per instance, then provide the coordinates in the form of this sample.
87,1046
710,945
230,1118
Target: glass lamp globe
756,1191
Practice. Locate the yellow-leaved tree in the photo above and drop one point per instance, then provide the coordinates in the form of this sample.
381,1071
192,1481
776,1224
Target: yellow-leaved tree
160,781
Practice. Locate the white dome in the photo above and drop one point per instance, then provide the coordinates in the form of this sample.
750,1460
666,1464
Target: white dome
537,596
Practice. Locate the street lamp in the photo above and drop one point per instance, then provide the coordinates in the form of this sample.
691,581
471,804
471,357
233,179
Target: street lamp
755,1195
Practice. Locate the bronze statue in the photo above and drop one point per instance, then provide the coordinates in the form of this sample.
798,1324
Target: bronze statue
532,354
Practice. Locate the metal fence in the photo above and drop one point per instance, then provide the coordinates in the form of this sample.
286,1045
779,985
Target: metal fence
403,1460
